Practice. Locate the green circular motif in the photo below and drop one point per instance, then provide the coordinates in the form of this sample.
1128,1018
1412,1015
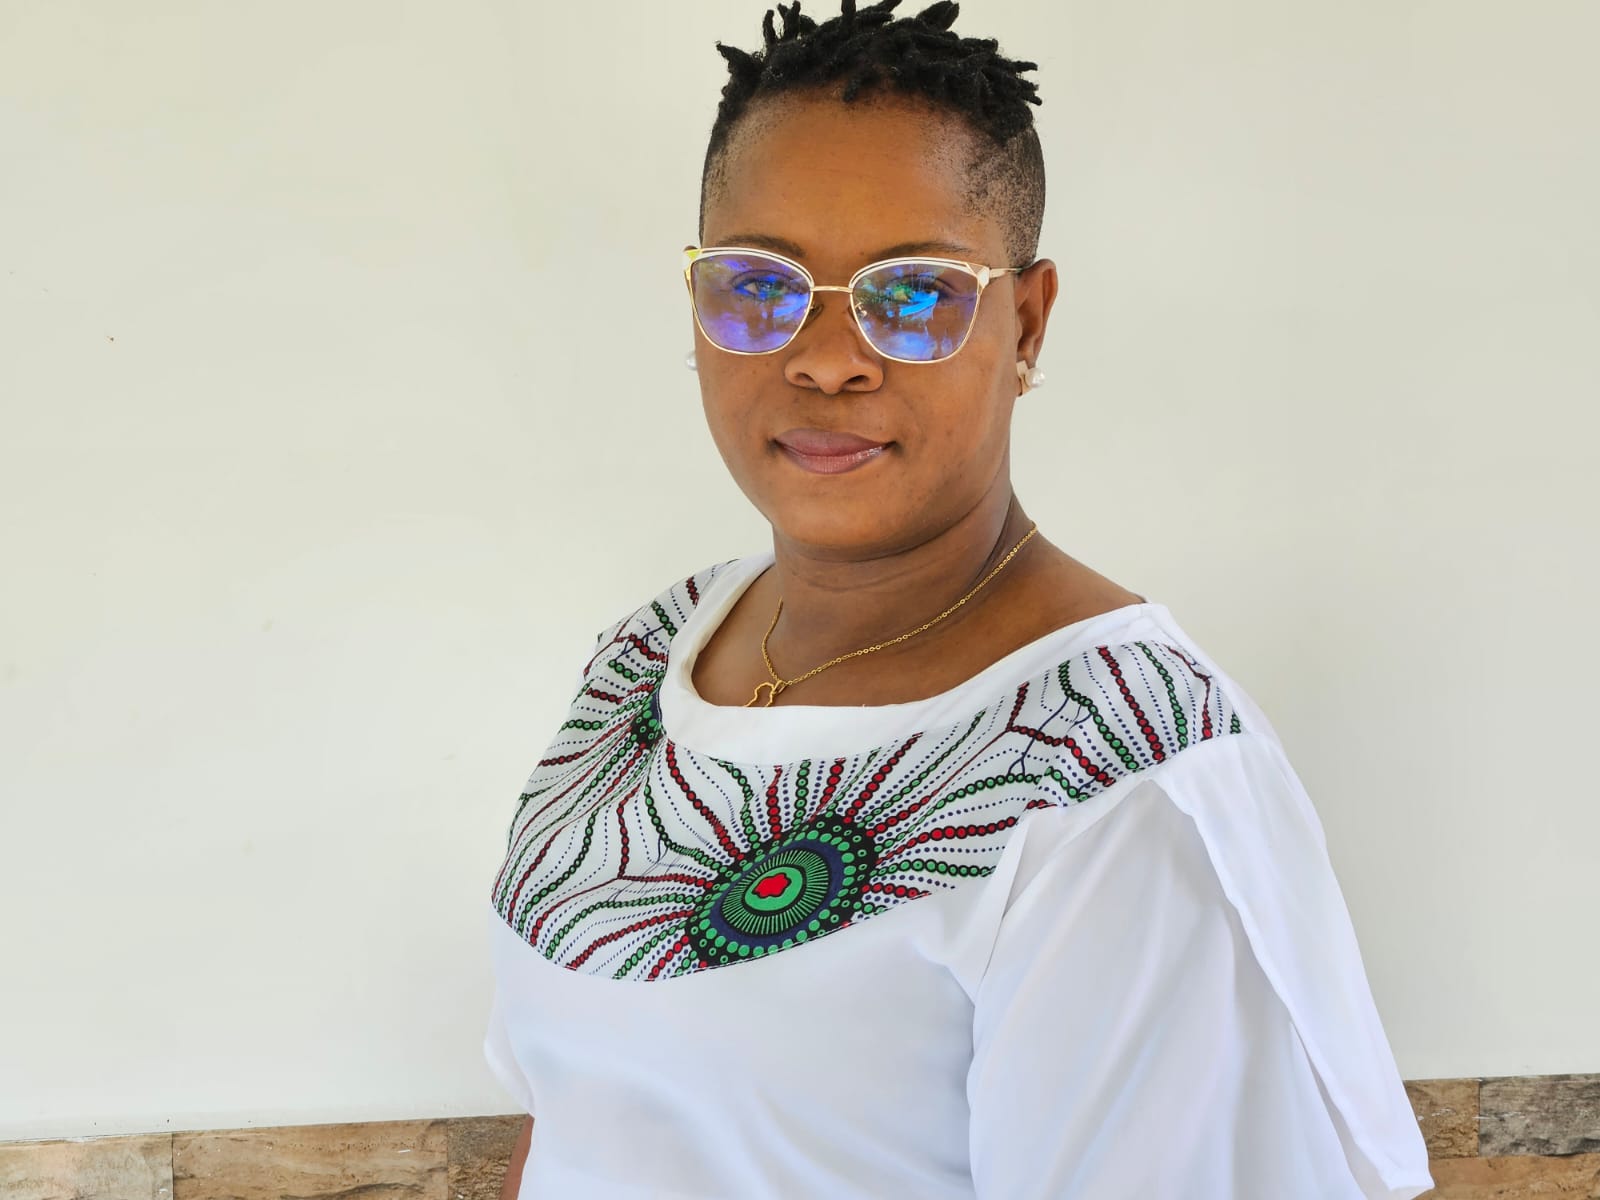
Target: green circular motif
804,883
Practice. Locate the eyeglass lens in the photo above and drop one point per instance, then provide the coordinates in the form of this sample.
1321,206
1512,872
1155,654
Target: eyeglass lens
913,310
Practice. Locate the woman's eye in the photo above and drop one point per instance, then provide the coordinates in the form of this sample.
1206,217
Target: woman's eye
907,289
904,291
763,288
907,297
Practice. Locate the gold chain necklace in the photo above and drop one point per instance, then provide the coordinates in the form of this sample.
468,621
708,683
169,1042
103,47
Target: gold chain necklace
780,684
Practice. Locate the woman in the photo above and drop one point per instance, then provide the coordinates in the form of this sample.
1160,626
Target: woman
914,858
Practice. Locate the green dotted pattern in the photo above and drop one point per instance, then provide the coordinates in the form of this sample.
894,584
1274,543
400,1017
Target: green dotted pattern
843,830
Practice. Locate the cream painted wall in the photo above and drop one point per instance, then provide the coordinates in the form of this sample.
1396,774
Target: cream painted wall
328,444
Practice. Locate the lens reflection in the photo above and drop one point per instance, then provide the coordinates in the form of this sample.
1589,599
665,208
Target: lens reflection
748,302
916,310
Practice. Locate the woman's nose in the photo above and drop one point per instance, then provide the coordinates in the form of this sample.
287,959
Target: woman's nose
830,353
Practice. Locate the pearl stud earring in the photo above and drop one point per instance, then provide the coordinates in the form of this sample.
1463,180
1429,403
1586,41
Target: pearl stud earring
688,361
1031,377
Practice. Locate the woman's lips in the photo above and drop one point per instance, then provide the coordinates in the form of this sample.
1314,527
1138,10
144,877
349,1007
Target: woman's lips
826,453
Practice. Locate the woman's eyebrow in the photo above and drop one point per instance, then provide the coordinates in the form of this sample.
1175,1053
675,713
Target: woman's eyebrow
765,241
929,247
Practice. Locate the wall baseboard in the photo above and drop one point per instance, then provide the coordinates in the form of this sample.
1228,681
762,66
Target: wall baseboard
1488,1139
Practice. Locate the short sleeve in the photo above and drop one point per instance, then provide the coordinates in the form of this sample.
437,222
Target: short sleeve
1175,1004
502,1063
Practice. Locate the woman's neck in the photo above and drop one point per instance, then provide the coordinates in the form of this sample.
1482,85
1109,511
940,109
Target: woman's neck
832,605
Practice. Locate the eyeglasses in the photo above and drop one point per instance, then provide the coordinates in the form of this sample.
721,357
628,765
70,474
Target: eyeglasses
910,310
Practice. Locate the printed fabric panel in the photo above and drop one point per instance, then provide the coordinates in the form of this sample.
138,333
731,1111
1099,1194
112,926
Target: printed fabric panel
632,857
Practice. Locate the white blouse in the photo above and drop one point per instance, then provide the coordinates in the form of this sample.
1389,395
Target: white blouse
1068,930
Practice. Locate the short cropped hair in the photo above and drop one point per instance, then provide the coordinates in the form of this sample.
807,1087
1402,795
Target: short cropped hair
867,51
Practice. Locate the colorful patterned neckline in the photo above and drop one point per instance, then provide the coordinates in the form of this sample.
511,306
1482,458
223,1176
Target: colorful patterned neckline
757,734
637,855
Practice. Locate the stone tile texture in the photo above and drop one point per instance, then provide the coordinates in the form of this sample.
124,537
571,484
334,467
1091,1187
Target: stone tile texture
1447,1111
479,1149
1516,1177
378,1160
1539,1114
1488,1139
134,1167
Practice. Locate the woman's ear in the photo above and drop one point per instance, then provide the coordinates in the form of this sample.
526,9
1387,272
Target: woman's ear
1036,293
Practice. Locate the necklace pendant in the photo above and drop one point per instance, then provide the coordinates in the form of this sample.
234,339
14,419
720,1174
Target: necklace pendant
772,694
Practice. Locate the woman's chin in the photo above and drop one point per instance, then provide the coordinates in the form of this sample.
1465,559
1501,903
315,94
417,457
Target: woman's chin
843,530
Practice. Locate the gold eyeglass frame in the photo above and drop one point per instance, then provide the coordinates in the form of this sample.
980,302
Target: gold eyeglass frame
983,274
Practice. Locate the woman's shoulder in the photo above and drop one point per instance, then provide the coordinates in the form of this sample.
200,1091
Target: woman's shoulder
1158,627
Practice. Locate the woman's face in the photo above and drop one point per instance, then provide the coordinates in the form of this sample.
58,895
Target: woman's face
837,186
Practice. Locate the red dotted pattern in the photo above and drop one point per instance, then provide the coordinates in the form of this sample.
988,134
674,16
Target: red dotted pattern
774,819
872,785
1151,738
904,814
622,824
717,827
835,773
1089,766
660,918
1016,705
516,895
950,831
668,955
646,649
898,890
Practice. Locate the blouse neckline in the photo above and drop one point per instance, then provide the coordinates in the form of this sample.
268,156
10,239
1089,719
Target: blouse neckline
789,732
